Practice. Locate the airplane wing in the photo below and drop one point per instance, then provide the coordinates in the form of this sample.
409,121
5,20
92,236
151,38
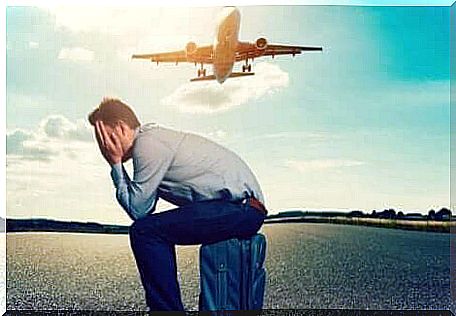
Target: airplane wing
201,54
251,50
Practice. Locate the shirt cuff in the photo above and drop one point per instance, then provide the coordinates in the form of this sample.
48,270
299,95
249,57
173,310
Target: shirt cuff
117,174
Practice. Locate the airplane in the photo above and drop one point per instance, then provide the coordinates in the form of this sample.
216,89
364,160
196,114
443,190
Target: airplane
225,51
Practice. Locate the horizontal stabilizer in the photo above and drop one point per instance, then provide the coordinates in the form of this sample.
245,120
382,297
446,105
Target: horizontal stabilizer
233,75
210,77
241,74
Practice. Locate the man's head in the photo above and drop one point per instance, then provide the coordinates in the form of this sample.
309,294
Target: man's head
117,118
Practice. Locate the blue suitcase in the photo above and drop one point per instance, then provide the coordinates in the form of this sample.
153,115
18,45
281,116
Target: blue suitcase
232,274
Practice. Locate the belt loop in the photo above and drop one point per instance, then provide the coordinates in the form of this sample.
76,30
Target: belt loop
245,200
244,203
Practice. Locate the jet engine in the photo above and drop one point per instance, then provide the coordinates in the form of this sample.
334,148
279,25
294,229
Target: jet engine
190,48
261,43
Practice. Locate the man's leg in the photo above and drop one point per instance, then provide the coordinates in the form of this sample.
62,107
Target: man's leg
156,261
153,240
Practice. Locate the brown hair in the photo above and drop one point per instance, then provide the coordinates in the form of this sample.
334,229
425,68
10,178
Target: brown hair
112,110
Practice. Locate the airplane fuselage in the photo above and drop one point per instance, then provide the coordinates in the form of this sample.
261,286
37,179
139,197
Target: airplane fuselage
226,50
225,43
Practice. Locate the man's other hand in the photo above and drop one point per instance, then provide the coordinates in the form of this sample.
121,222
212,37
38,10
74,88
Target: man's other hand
110,145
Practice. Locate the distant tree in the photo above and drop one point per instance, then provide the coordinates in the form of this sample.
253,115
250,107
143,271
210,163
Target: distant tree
415,216
390,213
443,214
291,213
355,214
431,215
374,214
400,214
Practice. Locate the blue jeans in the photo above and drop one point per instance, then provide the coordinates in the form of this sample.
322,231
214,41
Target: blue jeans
153,239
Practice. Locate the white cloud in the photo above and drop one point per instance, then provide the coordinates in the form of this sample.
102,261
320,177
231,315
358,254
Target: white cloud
142,29
23,144
58,126
210,97
54,172
74,184
131,20
55,134
76,54
96,18
321,164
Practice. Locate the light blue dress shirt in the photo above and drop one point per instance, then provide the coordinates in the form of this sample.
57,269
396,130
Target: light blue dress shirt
180,168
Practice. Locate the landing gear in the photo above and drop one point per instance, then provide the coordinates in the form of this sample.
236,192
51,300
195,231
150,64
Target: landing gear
247,67
202,71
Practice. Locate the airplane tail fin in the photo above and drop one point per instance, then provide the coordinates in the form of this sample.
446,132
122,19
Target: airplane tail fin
233,75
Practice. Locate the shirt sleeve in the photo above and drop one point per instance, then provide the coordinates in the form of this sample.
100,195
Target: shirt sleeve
151,160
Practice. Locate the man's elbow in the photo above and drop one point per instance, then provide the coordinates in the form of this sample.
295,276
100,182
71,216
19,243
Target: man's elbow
135,208
136,213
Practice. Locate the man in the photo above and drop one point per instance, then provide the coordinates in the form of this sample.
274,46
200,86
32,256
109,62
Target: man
218,196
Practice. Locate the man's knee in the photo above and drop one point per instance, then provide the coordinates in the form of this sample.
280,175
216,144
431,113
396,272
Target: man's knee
146,226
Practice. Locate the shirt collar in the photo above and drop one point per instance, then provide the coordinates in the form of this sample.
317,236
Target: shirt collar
136,132
147,126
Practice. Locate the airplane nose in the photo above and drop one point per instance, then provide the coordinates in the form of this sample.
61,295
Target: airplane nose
229,12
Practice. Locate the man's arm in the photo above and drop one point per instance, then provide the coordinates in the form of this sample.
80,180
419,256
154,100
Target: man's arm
151,160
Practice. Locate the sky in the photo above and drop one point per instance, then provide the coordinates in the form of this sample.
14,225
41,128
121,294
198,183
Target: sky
362,125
